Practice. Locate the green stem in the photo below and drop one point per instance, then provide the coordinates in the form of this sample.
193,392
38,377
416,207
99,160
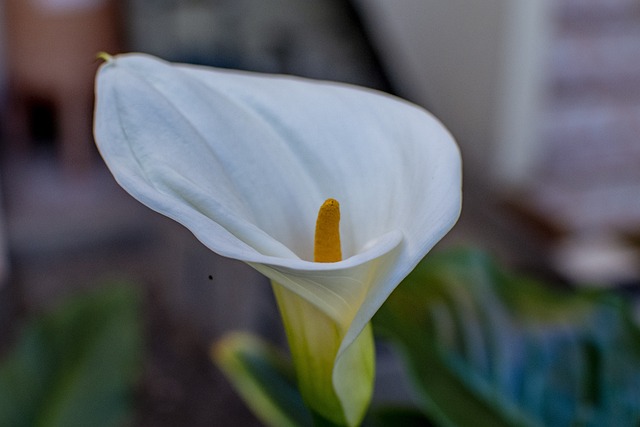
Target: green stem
338,388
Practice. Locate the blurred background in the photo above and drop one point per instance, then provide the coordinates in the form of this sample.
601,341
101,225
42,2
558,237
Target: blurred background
542,96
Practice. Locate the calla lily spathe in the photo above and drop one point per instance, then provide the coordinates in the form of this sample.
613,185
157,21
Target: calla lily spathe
245,160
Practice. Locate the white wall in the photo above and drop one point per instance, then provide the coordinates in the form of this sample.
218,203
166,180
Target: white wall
477,65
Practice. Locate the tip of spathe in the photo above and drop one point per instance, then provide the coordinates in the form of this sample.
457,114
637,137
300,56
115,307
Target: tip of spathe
104,56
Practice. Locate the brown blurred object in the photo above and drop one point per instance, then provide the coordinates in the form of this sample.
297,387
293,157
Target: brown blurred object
51,50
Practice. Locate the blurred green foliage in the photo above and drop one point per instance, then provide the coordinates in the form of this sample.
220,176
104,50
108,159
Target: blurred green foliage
264,376
77,365
490,348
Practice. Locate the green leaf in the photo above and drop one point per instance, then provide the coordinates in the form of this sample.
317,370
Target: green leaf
488,348
265,379
75,366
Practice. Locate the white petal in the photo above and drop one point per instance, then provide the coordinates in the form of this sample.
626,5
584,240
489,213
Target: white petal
244,161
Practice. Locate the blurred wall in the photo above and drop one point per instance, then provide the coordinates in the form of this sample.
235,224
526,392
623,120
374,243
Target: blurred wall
3,60
478,66
3,87
317,39
51,47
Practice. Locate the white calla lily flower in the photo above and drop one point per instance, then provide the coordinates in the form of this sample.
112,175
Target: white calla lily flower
245,160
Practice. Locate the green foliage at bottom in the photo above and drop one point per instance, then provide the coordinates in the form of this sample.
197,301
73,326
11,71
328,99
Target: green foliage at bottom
265,379
398,417
489,348
75,366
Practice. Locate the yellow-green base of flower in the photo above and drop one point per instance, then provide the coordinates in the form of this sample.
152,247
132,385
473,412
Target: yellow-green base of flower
337,387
